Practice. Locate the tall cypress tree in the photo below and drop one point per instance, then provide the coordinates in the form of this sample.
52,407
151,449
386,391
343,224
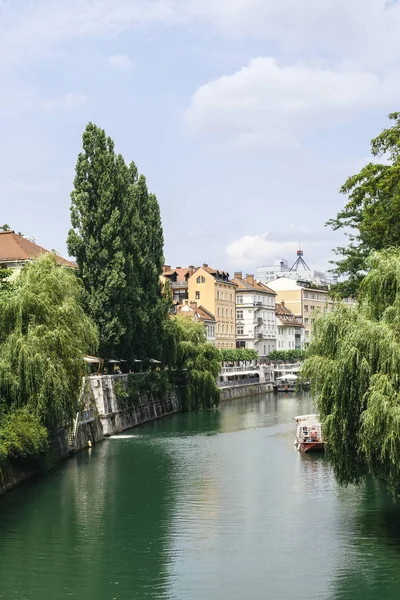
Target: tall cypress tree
117,239
95,238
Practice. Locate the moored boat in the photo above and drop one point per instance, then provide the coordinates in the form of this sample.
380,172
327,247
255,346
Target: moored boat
286,383
309,436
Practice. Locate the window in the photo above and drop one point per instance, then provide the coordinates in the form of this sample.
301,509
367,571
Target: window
307,333
217,295
306,307
231,297
312,307
240,330
223,328
197,295
218,327
198,280
231,313
239,299
203,279
232,329
306,320
218,311
239,314
222,311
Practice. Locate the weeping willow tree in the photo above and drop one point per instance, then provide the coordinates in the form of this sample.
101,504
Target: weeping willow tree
354,366
44,335
200,362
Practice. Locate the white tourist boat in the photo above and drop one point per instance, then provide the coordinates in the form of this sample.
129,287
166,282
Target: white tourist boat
286,383
309,436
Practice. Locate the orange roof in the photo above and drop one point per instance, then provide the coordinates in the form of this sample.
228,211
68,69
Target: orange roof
192,310
286,317
15,248
181,273
243,284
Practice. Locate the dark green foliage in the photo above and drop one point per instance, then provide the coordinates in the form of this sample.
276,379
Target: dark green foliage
22,435
197,363
354,364
292,355
117,240
372,211
238,354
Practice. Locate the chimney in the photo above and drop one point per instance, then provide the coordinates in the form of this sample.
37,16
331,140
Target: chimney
166,268
205,265
179,267
186,302
238,275
250,279
283,303
191,267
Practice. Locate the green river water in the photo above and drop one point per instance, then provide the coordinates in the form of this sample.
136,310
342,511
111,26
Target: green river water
214,506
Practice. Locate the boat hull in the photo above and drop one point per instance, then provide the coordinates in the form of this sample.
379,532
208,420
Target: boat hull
307,447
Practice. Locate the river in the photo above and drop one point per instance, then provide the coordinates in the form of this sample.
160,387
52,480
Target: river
206,506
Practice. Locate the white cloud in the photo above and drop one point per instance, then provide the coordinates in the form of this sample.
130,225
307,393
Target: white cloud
121,62
249,251
268,105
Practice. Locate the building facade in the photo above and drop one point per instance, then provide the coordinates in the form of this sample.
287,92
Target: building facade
255,315
298,270
290,329
215,292
304,300
199,314
178,282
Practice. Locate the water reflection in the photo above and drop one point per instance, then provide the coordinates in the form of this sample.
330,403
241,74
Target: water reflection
215,505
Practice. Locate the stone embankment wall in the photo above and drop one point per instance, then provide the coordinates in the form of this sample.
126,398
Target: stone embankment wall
116,415
242,391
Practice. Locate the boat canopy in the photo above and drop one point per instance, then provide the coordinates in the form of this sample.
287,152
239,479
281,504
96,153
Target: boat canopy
288,377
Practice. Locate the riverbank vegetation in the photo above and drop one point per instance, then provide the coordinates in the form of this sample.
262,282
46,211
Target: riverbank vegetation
370,219
292,355
236,355
44,335
196,363
354,364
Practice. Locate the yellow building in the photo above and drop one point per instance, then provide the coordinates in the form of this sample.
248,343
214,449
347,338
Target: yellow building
303,299
216,293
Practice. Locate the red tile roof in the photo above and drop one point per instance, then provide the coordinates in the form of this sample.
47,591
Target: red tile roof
244,284
15,248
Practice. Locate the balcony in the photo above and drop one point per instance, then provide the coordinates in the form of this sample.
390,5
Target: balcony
181,285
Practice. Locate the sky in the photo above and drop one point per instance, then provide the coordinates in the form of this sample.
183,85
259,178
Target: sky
246,116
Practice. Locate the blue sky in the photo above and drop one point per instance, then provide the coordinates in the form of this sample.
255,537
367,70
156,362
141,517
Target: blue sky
246,116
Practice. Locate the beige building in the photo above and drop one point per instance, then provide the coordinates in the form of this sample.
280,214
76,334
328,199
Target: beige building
303,299
178,282
215,292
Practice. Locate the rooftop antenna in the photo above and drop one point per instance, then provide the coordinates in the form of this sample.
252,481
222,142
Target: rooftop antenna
300,262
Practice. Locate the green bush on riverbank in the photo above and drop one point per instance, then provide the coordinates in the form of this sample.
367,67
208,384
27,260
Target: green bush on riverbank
44,334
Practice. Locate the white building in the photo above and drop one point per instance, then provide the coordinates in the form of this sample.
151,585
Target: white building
299,270
255,315
290,329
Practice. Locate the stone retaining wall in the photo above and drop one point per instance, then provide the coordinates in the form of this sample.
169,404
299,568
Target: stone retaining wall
241,391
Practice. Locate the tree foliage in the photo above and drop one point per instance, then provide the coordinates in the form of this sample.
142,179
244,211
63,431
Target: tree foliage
354,364
238,354
371,215
292,355
44,334
117,240
197,360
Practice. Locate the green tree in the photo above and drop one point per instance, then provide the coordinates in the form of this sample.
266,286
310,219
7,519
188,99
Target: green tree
117,240
44,334
198,361
371,216
95,238
354,364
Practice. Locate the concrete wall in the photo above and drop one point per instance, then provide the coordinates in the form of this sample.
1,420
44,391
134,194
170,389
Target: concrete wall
115,416
241,391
